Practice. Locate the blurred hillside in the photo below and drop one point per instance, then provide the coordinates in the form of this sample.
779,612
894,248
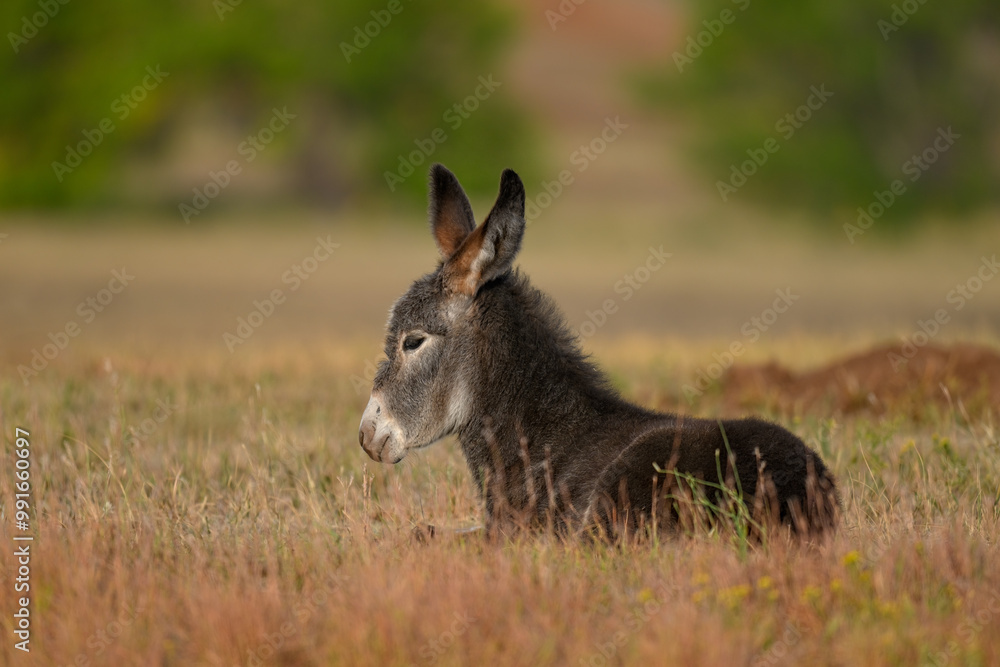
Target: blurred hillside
154,104
649,105
874,110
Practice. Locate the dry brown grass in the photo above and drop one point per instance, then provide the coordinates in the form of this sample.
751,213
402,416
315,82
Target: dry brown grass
250,528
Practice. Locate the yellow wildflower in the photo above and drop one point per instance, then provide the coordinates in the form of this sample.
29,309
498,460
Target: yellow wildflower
850,558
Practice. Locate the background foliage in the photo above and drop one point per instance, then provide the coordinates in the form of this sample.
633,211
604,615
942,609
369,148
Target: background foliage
893,86
235,62
898,72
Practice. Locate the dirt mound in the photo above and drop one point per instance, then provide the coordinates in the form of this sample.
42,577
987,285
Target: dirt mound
895,378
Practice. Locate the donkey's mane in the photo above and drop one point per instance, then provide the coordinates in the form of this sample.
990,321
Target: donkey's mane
539,316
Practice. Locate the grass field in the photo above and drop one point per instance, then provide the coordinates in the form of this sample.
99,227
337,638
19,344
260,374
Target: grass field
218,513
196,507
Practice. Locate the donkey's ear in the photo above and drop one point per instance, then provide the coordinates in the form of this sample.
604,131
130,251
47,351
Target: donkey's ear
489,251
450,212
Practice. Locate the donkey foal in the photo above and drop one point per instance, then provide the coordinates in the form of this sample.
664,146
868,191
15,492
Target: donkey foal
473,349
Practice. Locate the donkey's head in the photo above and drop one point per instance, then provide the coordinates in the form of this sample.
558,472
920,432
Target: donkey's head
422,391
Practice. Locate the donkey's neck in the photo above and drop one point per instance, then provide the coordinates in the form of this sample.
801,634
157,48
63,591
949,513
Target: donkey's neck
535,393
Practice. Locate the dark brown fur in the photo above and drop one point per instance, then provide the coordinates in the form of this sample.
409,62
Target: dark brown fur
545,436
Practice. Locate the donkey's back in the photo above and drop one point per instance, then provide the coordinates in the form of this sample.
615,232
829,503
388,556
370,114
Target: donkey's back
681,465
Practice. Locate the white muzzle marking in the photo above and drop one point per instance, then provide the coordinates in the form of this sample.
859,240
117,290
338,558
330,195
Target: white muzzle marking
379,435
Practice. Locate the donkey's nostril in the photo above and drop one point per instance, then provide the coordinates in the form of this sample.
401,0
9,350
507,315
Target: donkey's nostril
368,427
366,436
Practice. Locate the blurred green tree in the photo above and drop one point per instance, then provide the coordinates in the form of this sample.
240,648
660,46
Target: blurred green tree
366,80
893,75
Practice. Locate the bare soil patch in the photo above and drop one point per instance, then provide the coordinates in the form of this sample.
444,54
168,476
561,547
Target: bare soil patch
880,380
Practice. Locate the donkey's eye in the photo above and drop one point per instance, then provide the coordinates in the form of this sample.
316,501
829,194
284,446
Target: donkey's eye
413,341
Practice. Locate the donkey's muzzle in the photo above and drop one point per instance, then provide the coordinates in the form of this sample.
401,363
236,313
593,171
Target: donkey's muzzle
377,435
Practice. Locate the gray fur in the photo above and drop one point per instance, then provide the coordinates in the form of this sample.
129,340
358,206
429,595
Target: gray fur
544,434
